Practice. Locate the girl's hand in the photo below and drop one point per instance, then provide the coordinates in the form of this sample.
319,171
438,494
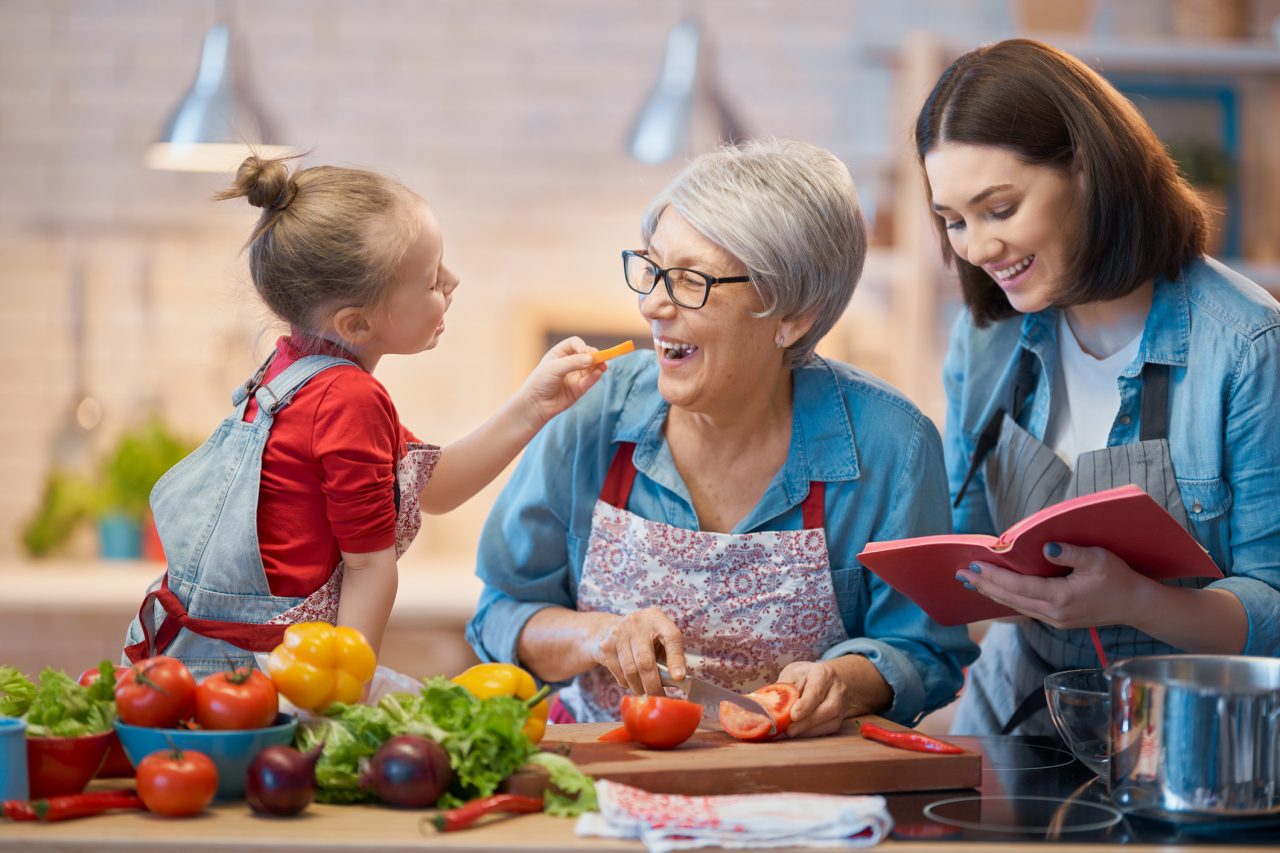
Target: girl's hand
823,701
627,647
1101,590
564,374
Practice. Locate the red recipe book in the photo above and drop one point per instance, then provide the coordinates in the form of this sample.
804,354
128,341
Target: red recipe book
1124,520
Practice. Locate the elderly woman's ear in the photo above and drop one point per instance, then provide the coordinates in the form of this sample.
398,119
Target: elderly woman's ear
792,330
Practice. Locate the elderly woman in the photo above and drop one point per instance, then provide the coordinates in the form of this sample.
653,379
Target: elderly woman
705,503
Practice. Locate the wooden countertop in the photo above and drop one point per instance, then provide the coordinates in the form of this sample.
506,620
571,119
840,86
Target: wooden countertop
343,829
429,590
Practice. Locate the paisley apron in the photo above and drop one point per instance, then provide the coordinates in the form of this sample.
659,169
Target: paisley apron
747,604
213,605
1005,688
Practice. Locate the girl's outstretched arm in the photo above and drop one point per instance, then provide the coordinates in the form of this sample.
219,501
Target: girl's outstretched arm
470,463
369,583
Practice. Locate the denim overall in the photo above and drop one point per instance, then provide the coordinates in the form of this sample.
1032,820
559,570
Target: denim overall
213,607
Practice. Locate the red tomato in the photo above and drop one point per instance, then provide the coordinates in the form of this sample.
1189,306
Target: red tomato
177,783
659,722
158,692
618,735
91,675
777,699
743,724
241,699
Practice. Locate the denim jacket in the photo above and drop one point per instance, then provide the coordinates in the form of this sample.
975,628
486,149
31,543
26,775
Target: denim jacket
1220,333
879,456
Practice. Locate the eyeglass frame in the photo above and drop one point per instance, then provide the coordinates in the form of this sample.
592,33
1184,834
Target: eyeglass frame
710,280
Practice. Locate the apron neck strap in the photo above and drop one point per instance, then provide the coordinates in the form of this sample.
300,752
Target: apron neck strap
622,476
1155,402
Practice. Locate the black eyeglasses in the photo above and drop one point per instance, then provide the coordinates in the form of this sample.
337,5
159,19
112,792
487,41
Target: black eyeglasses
688,288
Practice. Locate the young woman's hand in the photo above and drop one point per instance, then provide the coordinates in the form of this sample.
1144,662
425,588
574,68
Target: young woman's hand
564,374
1101,589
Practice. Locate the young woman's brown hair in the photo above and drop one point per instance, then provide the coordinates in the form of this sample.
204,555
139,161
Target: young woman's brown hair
1141,219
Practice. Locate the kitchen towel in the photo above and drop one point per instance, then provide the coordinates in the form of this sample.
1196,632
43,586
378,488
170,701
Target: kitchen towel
675,822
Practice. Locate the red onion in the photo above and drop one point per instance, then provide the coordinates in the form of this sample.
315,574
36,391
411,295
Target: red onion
408,771
281,780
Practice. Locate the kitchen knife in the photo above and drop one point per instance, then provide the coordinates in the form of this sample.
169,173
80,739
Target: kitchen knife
709,696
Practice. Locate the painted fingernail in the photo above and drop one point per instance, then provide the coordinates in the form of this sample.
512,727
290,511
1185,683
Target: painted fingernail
975,568
969,586
961,579
1053,549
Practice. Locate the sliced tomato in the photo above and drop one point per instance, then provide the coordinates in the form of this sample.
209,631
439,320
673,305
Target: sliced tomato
743,724
660,722
778,700
618,735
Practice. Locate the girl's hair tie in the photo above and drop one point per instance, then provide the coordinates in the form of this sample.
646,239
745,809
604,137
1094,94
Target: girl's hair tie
286,196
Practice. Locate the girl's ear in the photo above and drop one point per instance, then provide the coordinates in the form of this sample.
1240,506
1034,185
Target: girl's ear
353,325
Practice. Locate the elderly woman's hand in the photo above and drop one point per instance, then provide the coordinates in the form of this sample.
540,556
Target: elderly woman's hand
820,710
627,646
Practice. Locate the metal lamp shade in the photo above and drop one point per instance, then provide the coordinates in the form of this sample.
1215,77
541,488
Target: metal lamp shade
218,122
685,90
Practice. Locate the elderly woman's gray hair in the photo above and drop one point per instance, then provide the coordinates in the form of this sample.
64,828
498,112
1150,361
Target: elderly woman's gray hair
788,210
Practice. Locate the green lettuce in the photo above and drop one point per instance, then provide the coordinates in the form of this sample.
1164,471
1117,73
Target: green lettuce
58,706
483,738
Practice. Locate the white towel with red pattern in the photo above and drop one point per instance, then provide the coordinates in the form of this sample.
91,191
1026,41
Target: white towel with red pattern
675,822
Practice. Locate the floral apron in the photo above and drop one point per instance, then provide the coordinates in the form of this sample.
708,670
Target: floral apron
1004,693
747,604
213,605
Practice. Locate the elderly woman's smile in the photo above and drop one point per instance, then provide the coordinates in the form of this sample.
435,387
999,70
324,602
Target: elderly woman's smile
671,350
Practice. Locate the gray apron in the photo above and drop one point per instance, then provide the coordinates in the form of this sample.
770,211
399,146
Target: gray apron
1005,688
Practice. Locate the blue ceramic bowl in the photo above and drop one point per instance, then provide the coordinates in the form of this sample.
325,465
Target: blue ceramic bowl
232,751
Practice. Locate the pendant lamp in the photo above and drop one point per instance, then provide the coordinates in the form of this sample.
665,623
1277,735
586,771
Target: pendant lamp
685,103
218,122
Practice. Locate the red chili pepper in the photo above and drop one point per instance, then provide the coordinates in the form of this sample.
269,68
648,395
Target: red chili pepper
468,813
913,741
72,805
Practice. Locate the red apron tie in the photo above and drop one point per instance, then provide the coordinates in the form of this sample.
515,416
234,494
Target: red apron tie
245,635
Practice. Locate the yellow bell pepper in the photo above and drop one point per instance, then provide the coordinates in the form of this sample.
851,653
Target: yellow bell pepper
318,664
503,679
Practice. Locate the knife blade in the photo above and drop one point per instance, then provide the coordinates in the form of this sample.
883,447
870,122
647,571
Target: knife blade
709,696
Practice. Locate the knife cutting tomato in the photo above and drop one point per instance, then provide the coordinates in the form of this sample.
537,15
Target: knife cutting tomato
777,699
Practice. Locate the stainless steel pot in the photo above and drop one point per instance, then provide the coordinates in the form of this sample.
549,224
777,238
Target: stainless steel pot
1196,737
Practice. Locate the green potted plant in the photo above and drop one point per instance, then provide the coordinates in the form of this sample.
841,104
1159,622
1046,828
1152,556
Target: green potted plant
116,497
1208,168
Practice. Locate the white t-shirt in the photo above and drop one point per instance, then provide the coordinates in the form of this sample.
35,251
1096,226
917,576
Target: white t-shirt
1086,396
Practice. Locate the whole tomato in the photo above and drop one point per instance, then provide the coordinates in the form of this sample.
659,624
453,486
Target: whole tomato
660,722
157,692
177,783
241,699
91,675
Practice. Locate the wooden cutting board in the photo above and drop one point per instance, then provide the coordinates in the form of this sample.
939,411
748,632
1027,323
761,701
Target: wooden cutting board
711,762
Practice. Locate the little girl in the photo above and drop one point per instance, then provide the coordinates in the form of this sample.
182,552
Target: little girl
298,506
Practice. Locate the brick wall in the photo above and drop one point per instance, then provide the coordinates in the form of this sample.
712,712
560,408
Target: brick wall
508,116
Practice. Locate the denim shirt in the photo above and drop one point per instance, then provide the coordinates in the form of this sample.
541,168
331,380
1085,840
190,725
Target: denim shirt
879,456
1220,333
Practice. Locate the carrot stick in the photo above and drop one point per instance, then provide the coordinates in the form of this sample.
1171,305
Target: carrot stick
612,352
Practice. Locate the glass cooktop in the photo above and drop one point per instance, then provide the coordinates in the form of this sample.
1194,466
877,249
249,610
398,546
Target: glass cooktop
1034,789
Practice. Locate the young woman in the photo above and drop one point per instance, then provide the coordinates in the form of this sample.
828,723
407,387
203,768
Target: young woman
1101,347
